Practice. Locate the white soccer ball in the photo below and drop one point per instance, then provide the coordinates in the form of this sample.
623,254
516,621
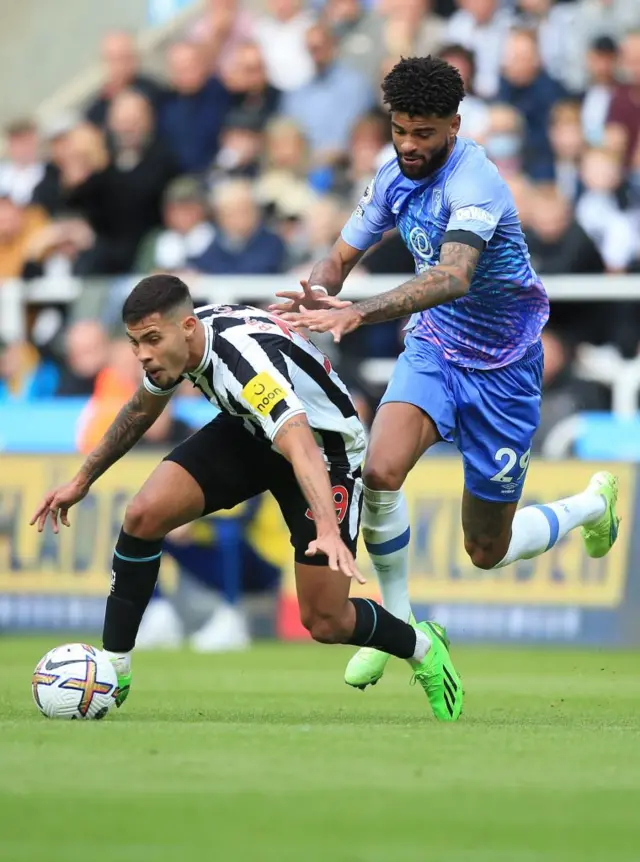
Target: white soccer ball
74,681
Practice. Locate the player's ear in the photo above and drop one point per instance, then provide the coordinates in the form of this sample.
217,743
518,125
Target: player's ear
189,324
455,125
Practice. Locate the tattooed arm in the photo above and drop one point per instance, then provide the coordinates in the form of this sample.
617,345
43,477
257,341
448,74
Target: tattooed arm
131,423
448,280
297,443
136,417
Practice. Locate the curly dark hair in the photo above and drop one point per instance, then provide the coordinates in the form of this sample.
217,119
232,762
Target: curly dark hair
156,293
423,87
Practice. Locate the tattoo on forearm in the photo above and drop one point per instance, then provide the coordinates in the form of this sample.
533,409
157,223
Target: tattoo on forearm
292,423
124,432
448,280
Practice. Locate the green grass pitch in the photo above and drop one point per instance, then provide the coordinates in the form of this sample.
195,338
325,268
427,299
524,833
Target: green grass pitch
268,757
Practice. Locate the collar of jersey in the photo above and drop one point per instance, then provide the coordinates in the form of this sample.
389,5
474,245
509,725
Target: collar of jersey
205,356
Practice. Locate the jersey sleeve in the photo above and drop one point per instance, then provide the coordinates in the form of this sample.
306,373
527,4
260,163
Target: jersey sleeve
372,217
477,202
258,378
151,387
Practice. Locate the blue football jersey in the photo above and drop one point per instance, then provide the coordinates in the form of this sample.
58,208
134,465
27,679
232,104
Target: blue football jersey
506,307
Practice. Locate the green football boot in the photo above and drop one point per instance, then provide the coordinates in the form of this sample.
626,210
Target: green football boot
122,666
437,675
600,535
367,666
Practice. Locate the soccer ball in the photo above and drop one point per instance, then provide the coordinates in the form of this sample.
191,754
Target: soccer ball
74,681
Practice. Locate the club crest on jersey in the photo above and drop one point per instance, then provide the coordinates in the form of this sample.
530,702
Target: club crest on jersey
367,197
436,201
263,393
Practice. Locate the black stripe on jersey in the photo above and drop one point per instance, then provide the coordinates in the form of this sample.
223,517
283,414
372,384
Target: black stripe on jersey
334,448
274,344
316,371
243,371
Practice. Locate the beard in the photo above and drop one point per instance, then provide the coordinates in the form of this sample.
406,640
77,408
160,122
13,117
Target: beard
424,167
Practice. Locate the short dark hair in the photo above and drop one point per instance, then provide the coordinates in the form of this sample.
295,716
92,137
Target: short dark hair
155,294
423,87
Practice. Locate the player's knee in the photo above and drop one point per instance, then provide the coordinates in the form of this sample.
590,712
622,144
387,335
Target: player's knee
382,475
484,553
141,519
324,628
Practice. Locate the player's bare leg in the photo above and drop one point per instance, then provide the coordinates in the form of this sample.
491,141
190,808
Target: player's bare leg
169,498
495,534
401,433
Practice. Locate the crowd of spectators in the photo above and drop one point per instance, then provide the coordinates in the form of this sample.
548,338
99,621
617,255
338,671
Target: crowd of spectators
252,150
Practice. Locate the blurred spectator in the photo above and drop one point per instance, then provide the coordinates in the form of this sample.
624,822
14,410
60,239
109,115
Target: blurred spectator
86,349
567,143
23,168
193,113
594,18
25,374
527,87
358,32
62,248
599,209
241,144
121,199
558,245
504,141
624,111
222,29
121,64
336,92
411,28
564,394
602,59
56,137
283,188
482,27
473,111
18,227
242,244
246,79
186,234
522,190
369,138
554,23
282,36
317,232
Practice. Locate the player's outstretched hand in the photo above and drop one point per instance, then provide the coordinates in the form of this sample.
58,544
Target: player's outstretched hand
339,322
340,557
58,502
310,297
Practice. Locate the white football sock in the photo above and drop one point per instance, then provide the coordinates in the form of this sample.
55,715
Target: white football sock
536,529
120,660
385,528
423,645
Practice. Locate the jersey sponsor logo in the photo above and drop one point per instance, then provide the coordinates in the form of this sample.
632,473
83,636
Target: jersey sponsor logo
436,201
263,393
474,214
420,245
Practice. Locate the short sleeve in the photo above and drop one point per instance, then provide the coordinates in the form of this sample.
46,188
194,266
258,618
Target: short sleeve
371,218
476,203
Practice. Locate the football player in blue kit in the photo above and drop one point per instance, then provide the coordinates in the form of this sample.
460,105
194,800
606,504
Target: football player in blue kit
471,369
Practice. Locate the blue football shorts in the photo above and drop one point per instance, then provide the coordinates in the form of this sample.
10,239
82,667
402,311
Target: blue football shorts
490,416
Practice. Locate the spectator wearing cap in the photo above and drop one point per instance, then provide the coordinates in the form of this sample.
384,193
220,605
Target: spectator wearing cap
328,107
601,61
532,91
23,169
593,18
121,64
186,234
192,116
242,245
122,200
247,82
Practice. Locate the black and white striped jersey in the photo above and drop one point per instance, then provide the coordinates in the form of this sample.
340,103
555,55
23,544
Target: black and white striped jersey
256,367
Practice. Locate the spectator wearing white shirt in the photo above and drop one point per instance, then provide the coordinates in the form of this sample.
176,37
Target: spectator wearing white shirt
482,27
602,59
21,172
282,37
